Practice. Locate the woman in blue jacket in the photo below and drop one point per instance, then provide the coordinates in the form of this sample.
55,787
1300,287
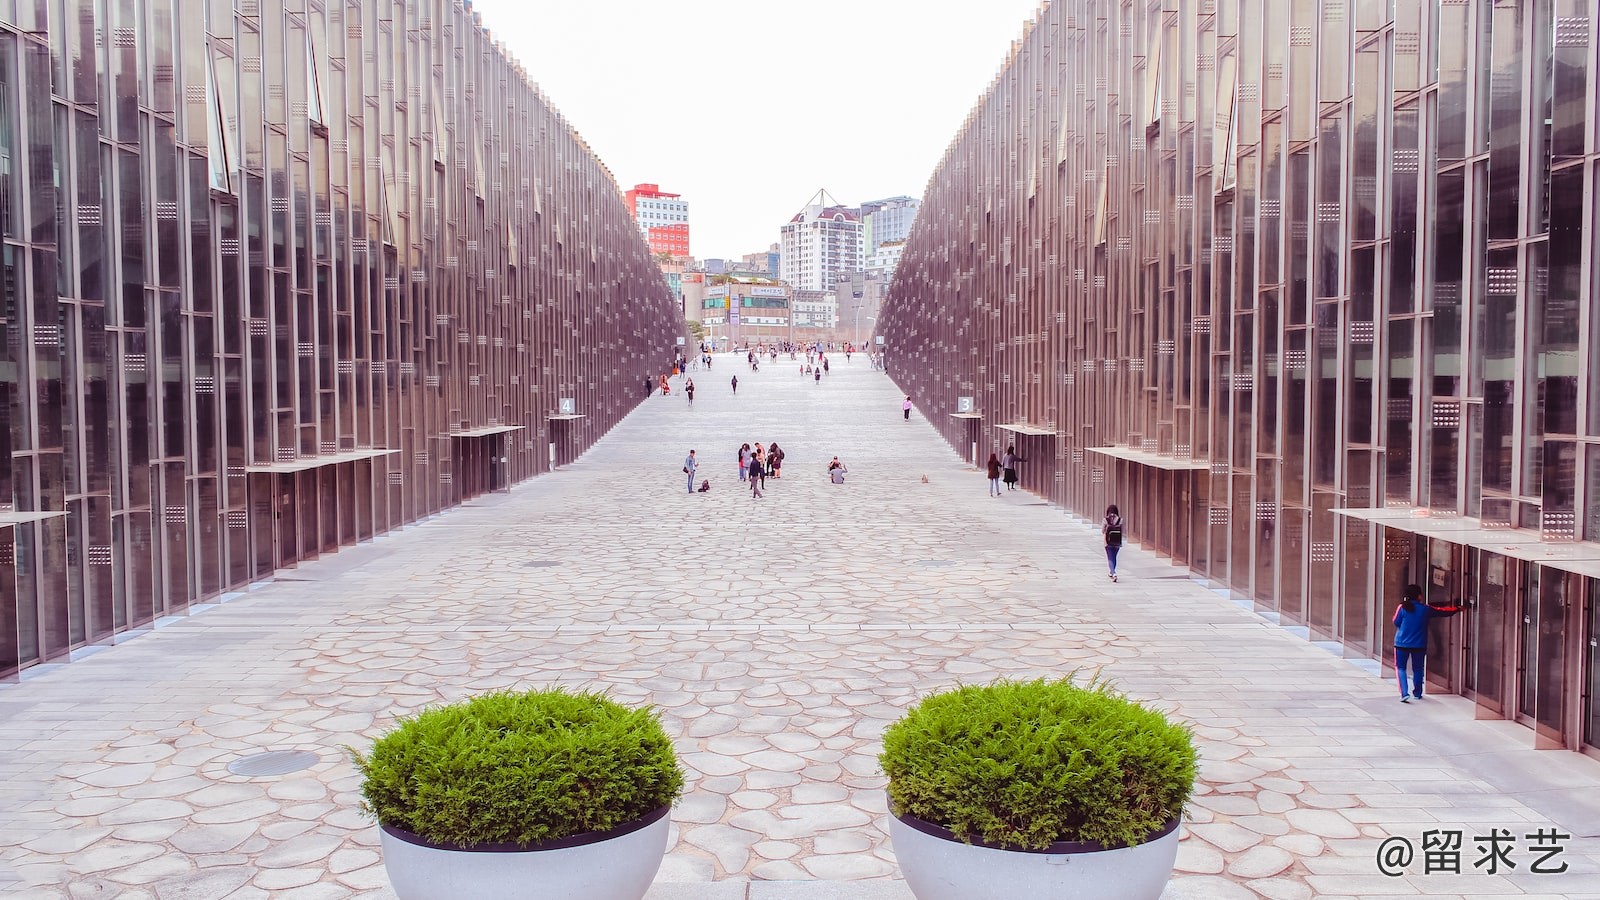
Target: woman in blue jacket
1411,638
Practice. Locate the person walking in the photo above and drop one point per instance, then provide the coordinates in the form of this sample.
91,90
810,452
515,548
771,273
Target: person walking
755,478
818,373
1010,465
688,389
736,384
906,407
1111,529
761,463
665,387
774,459
1411,619
689,465
649,386
994,475
744,460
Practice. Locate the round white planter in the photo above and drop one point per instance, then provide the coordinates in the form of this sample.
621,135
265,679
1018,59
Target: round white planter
616,865
937,866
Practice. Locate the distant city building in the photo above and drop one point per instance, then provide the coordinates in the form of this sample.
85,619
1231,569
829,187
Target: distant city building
663,218
885,258
765,262
815,309
741,310
823,241
715,266
888,221
860,297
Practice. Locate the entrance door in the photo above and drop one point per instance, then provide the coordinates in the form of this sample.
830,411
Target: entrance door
1542,663
1527,643
1485,630
286,514
1591,718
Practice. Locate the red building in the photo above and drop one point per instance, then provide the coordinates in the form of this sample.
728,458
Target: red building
663,218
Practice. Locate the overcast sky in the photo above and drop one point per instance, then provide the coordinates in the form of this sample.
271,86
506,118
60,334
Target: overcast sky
747,108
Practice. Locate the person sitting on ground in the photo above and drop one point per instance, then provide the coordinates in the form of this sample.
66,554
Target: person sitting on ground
836,471
705,486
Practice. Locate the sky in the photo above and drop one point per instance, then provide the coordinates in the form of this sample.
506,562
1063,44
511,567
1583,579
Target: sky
748,107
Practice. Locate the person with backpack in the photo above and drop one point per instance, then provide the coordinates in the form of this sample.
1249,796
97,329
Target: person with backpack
994,475
1411,619
1111,528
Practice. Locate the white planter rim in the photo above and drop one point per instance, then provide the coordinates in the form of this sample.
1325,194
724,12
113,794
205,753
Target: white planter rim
574,840
1058,848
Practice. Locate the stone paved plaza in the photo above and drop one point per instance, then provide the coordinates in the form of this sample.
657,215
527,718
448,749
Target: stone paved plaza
778,637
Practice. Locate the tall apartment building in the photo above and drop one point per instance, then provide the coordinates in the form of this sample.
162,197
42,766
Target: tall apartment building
663,218
1311,290
888,221
823,241
276,283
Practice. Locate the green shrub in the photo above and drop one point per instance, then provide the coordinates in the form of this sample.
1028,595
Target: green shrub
1026,764
520,768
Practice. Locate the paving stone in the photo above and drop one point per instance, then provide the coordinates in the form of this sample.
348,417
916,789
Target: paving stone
775,679
1260,862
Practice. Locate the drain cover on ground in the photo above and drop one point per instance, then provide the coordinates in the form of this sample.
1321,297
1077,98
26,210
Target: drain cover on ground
935,563
273,762
540,563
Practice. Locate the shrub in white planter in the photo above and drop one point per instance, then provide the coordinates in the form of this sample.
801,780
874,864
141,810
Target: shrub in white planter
544,794
1032,789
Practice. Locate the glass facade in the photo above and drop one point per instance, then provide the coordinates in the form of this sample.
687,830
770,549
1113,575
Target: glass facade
1322,277
277,278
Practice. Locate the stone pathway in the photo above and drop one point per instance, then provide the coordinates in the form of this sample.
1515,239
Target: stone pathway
778,637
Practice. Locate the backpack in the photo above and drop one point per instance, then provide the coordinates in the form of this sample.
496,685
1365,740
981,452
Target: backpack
1114,535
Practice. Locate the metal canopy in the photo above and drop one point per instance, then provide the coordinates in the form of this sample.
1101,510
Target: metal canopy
968,415
317,462
1577,557
486,431
1025,428
9,518
1153,460
565,417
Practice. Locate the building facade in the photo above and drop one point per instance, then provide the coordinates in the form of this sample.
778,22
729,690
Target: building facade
860,296
888,221
277,282
764,263
1310,291
823,241
885,258
745,310
663,218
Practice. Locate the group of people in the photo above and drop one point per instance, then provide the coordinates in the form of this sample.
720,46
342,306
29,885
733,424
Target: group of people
756,463
999,468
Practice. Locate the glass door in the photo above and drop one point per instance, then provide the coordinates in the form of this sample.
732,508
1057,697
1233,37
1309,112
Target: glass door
1543,690
1556,591
1528,643
1591,711
1485,630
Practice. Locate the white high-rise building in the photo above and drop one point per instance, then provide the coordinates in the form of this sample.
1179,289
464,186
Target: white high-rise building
823,241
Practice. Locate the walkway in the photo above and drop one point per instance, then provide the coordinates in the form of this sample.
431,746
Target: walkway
778,637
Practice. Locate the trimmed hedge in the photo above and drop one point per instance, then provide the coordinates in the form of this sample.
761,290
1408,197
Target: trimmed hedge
520,768
1027,764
